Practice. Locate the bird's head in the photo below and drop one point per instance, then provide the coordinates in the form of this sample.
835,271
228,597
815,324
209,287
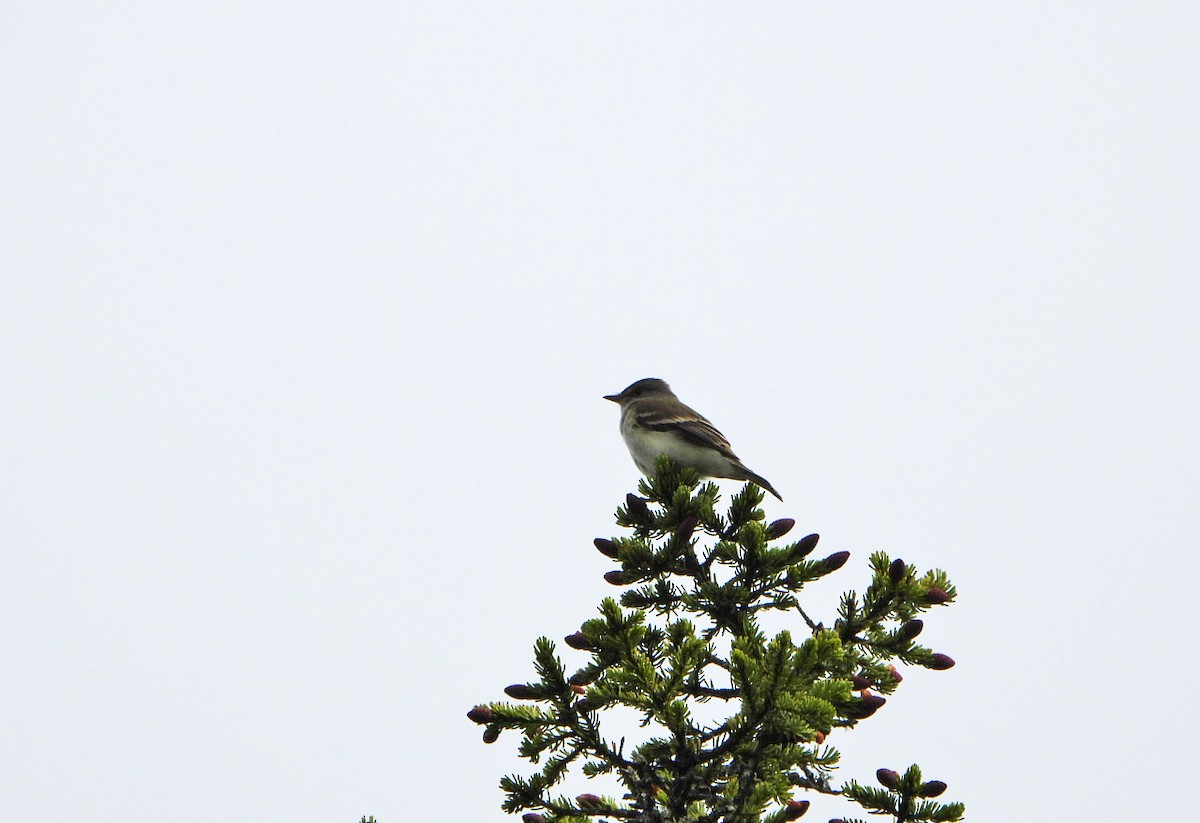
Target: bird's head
643,388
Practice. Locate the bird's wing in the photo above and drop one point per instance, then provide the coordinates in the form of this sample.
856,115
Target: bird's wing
692,427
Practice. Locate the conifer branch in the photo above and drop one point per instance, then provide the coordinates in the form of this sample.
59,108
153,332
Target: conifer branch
709,574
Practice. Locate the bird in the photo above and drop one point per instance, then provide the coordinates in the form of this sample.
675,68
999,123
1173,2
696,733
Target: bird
654,421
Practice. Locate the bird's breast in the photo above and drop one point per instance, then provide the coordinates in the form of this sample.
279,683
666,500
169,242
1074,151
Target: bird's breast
645,445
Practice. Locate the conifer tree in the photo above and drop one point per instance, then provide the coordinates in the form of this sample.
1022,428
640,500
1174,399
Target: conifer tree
686,637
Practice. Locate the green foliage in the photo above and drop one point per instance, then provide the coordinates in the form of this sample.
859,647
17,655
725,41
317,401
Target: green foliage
904,797
686,632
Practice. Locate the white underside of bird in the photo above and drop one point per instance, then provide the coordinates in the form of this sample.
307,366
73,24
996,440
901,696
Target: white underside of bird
645,447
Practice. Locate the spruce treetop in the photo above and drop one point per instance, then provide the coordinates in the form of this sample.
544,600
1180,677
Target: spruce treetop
684,642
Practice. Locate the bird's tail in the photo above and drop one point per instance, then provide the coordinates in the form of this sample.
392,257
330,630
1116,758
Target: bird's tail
759,480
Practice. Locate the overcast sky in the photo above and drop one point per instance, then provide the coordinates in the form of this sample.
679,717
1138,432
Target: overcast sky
308,309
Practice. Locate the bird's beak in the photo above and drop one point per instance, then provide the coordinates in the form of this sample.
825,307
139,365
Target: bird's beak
616,398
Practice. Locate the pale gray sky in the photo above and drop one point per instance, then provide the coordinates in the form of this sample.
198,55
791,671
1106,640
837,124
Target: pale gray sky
308,308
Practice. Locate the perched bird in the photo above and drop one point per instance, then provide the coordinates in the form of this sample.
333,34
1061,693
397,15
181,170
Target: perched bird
654,421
